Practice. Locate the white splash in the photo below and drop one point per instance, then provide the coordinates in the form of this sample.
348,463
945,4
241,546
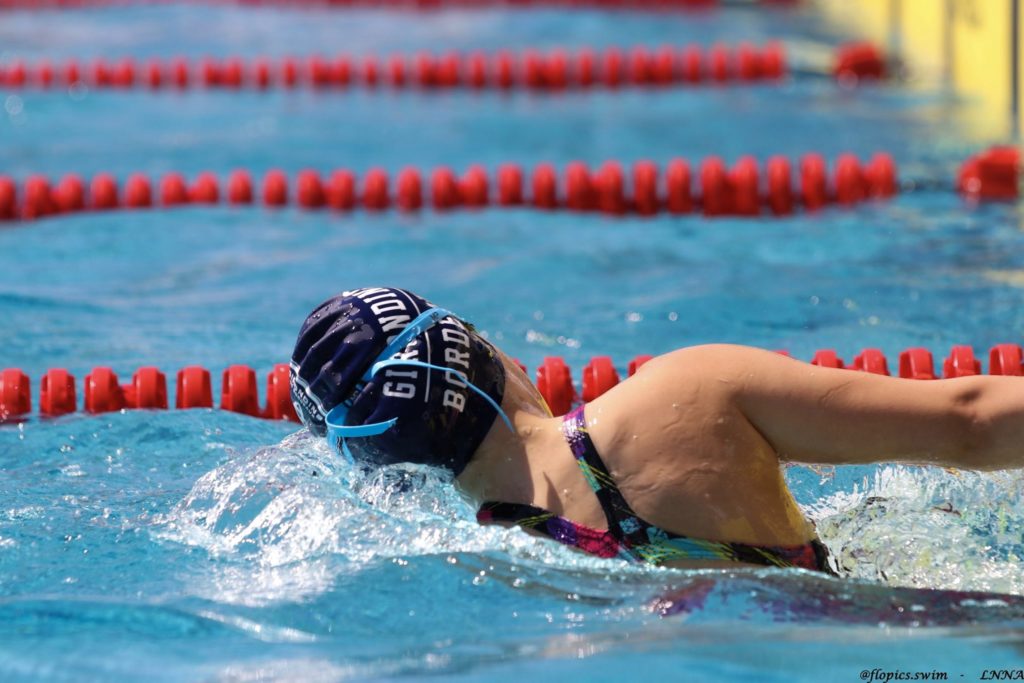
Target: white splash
284,521
929,527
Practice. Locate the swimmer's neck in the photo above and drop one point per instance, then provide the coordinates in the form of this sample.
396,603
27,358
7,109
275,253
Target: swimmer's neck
520,466
514,467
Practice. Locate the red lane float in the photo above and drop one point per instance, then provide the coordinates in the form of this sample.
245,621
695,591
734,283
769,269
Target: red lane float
279,399
1005,359
742,190
991,175
638,362
871,360
193,389
961,363
57,393
238,390
102,392
15,394
554,382
916,363
555,70
148,388
599,376
827,358
855,62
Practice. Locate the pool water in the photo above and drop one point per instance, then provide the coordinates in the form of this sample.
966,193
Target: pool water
203,545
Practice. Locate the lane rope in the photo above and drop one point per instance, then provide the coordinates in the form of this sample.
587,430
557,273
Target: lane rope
644,188
551,70
102,392
745,189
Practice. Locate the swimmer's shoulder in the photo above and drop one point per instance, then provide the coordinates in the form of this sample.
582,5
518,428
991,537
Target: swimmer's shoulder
670,393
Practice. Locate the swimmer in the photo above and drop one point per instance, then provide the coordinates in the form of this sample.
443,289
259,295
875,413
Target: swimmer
678,465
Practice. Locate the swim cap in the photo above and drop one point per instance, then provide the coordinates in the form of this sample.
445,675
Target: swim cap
440,420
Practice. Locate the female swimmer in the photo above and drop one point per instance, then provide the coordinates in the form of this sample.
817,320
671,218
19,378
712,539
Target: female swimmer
679,465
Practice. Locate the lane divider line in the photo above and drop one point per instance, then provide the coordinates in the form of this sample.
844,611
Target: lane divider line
745,189
148,386
552,70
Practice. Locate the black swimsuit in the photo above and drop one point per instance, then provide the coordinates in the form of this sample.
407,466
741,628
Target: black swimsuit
630,537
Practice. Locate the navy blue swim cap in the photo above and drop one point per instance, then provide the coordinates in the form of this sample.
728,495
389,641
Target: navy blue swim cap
440,421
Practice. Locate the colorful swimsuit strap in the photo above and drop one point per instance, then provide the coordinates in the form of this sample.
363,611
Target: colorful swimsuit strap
593,541
622,521
630,537
646,542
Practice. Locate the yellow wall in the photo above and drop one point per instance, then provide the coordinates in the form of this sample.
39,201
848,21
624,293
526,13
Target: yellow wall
967,41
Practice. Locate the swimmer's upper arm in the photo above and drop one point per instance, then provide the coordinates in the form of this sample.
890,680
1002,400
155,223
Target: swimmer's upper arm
824,415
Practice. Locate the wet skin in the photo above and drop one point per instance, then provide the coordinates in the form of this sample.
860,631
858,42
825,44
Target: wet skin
695,439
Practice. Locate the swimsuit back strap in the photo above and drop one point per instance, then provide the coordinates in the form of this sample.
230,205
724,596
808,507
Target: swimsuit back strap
647,542
593,541
623,523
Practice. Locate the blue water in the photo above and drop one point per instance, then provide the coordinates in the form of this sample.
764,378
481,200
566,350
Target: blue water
201,545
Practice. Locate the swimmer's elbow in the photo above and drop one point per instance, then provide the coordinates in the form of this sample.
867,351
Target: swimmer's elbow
972,426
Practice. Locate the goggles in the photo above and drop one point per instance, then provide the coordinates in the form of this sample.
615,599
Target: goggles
338,431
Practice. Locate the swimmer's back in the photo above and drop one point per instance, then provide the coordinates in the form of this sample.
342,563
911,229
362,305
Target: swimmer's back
688,460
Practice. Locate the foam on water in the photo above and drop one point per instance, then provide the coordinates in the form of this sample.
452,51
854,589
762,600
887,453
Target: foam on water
298,504
285,560
928,527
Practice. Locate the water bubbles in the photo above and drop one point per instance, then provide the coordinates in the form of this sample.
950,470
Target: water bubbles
436,661
14,105
568,341
72,470
535,337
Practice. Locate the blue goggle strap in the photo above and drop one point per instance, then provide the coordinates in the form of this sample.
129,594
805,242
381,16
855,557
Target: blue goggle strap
337,431
380,365
420,324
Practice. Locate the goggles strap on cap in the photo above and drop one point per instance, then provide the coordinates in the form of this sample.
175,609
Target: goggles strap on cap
338,431
420,324
380,365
